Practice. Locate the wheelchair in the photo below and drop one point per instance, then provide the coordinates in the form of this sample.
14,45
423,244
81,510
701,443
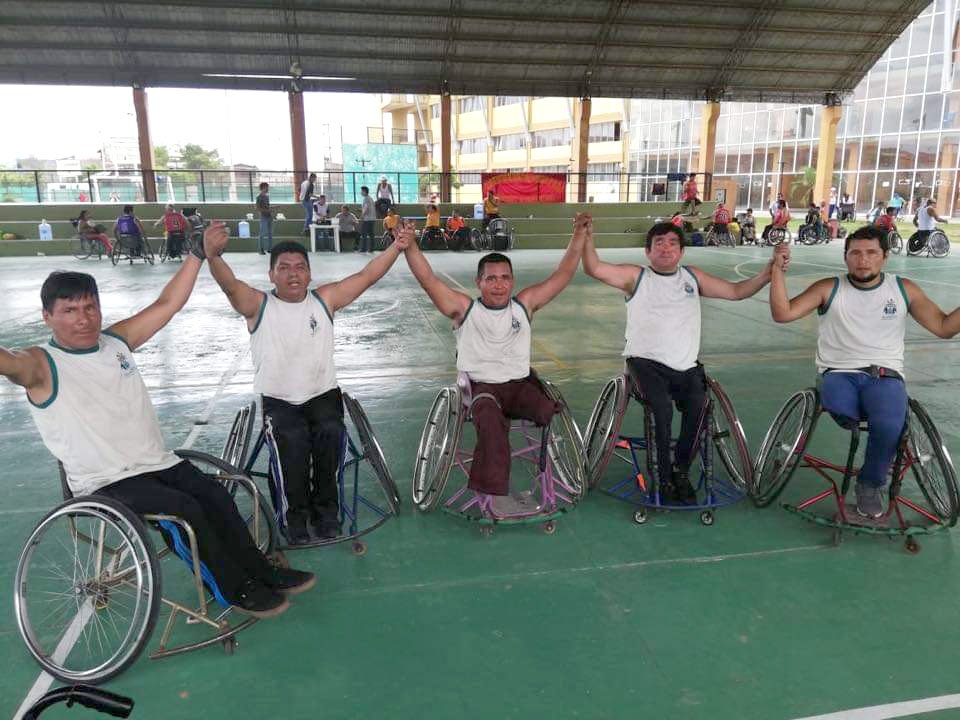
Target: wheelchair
932,503
499,236
718,238
936,244
131,247
356,490
748,232
181,243
88,582
433,238
385,240
720,432
82,247
812,234
776,236
895,242
545,459
459,240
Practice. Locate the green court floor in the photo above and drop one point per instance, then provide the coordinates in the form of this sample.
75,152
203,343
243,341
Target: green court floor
757,616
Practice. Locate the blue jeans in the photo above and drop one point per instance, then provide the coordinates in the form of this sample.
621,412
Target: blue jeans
882,402
307,213
366,236
265,241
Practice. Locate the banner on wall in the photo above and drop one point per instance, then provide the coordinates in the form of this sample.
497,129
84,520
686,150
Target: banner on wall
529,187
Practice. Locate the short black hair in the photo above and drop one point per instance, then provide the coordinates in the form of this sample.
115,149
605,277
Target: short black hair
364,187
128,209
749,210
662,228
264,185
287,246
890,209
62,285
493,257
868,232
311,176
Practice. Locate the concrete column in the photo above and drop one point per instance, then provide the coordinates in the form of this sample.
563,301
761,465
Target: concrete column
583,148
445,164
829,119
708,146
298,140
146,147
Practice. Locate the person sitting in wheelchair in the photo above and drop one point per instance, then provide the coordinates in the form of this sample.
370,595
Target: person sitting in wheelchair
493,335
129,227
780,219
888,220
292,343
663,341
721,218
175,225
862,320
84,384
391,223
458,235
926,221
748,227
86,228
813,221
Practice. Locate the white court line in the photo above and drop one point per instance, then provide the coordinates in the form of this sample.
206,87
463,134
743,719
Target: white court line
393,306
455,282
893,710
201,423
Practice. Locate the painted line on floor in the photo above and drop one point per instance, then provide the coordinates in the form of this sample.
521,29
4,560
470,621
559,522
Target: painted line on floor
893,710
393,306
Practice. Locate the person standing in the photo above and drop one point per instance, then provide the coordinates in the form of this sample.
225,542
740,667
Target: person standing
265,239
348,224
306,199
384,197
491,208
897,202
368,215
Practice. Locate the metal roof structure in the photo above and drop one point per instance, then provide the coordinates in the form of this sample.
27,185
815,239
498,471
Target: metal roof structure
749,50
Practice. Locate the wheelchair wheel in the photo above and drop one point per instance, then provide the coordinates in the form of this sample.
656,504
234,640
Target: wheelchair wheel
783,446
147,251
938,244
82,247
373,452
896,242
477,239
916,244
603,428
163,251
262,526
728,438
238,439
807,235
776,236
565,448
115,255
87,590
513,241
931,466
385,241
439,443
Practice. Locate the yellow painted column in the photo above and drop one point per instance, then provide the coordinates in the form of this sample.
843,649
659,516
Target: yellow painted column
708,147
829,119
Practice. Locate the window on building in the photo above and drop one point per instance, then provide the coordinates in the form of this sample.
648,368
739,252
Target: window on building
513,141
435,110
551,168
471,103
501,100
605,132
603,172
473,145
552,138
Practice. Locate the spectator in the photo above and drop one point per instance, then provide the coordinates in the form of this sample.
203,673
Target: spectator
774,205
368,215
82,197
321,215
87,229
691,201
175,226
384,197
265,238
114,196
875,213
832,209
433,217
348,225
491,208
897,202
129,225
306,199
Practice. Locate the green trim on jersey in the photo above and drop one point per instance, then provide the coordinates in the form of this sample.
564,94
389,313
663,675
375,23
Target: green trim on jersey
525,311
693,275
883,276
469,308
84,351
903,290
320,300
635,287
263,306
833,293
118,337
55,380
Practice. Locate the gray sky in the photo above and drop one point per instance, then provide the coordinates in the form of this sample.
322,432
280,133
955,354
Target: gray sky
245,126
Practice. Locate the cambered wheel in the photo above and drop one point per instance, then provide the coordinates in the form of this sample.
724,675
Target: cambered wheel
385,241
373,452
147,251
439,442
81,247
783,447
603,428
476,239
931,464
163,251
895,241
565,447
238,439
115,255
938,244
729,439
916,244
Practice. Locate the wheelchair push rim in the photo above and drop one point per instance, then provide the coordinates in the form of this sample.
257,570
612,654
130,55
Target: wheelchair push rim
728,438
783,446
437,449
931,465
373,453
565,448
603,429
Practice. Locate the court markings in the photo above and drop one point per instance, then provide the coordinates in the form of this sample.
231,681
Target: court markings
893,710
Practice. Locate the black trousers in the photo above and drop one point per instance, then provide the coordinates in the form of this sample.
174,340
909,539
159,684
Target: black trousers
225,545
308,438
661,387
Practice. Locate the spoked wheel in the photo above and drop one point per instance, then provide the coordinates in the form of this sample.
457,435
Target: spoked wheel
603,428
931,464
439,442
807,236
163,251
81,247
726,240
262,525
916,244
777,236
384,242
783,446
476,239
566,445
729,439
373,452
87,590
238,439
710,239
147,252
115,255
938,244
895,241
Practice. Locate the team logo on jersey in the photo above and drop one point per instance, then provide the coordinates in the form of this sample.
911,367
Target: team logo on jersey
125,366
688,289
515,324
313,324
890,309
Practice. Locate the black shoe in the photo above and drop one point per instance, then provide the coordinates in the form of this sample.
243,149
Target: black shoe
326,530
296,532
668,494
289,581
686,495
259,601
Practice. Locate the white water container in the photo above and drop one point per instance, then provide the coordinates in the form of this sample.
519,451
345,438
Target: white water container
243,229
46,232
478,211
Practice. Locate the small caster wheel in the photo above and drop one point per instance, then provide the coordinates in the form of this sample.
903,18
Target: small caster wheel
486,531
229,645
359,547
279,559
549,527
706,517
837,537
912,546
640,517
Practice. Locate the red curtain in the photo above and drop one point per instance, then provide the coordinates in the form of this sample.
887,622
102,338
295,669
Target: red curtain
528,187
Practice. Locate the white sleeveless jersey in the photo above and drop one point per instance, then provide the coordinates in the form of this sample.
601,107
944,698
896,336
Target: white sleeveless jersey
859,328
493,344
99,421
663,318
292,349
925,221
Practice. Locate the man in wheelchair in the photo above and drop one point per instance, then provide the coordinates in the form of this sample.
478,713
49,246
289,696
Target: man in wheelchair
175,225
813,221
458,235
291,341
129,232
663,341
493,348
84,384
860,347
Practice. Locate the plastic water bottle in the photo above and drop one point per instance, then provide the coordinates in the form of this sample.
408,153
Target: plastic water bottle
46,232
243,229
478,211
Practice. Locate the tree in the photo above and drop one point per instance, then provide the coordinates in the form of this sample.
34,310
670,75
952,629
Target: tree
801,189
195,157
161,157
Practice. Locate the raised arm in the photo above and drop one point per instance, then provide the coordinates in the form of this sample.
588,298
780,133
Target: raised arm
926,312
243,298
782,308
536,296
136,330
714,287
450,302
338,295
621,276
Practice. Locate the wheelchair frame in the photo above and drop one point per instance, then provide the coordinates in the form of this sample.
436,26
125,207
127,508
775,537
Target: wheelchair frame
184,247
939,249
490,235
910,456
123,250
